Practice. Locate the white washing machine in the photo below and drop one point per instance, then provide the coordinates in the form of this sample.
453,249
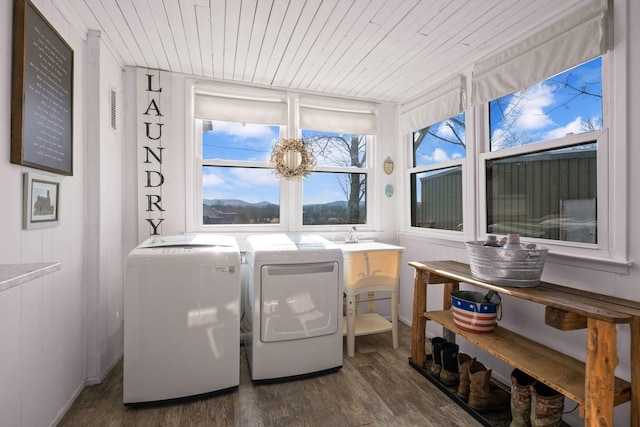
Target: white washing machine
181,318
294,306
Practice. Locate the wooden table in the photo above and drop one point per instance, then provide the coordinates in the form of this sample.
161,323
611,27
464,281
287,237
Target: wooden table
592,383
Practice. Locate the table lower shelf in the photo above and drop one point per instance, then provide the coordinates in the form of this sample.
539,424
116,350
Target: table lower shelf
559,371
368,323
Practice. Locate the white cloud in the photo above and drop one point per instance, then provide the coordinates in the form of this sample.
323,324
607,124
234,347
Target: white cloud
573,127
530,106
212,186
246,177
438,155
211,179
498,137
445,131
524,115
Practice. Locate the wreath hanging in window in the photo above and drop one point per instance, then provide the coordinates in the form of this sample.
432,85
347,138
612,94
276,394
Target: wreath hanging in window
292,158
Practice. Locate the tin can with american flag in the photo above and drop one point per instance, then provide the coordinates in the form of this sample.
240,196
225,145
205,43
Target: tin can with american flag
475,311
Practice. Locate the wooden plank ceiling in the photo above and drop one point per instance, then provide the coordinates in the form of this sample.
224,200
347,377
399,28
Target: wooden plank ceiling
385,50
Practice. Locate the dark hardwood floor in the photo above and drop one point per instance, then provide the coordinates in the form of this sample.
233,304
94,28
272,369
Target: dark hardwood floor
377,387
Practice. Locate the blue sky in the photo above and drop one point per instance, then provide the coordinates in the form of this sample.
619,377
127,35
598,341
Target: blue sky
544,111
551,109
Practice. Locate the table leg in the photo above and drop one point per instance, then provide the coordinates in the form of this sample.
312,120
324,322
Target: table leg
394,318
419,322
351,325
635,372
600,373
446,305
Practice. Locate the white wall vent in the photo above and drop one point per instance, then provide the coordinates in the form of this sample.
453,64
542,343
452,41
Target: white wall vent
112,108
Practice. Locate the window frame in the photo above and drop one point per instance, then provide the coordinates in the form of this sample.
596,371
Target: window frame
200,162
468,219
290,190
439,233
602,202
370,211
610,252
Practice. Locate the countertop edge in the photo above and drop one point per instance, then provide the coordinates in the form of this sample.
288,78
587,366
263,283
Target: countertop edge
12,275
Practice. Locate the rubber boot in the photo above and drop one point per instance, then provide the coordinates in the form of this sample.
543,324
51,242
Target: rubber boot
482,396
521,399
436,352
546,406
449,375
464,362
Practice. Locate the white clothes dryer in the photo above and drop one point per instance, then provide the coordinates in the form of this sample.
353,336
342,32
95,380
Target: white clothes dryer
294,306
181,318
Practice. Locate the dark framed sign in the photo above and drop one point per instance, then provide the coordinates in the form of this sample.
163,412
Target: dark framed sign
41,93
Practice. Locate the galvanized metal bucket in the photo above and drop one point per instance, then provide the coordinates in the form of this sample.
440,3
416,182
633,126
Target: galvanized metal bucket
521,268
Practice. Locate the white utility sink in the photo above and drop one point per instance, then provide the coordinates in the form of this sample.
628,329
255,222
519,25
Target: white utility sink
370,267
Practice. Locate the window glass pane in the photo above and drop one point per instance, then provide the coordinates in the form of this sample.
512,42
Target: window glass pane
334,198
234,195
570,102
238,141
436,199
546,194
440,142
334,149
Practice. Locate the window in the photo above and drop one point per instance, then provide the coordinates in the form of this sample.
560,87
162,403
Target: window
547,191
437,199
337,192
549,194
234,185
436,177
238,186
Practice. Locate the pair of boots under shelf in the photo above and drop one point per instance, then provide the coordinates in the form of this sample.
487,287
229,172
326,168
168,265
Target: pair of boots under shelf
476,389
444,361
533,403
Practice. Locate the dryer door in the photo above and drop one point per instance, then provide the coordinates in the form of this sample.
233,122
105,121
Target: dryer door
299,301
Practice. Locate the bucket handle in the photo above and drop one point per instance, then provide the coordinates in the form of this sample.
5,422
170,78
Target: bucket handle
490,297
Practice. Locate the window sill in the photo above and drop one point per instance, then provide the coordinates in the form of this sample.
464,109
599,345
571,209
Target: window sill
585,261
611,265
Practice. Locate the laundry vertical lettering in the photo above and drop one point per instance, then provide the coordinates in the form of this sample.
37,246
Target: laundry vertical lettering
151,156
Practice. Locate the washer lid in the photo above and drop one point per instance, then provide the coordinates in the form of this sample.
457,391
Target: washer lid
190,240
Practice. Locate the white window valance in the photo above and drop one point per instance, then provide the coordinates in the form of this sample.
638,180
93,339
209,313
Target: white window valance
441,103
337,115
575,39
218,101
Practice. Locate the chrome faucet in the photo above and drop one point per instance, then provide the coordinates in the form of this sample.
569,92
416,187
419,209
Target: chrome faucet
351,237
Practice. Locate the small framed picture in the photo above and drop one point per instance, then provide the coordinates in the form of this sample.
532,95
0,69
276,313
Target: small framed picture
41,201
